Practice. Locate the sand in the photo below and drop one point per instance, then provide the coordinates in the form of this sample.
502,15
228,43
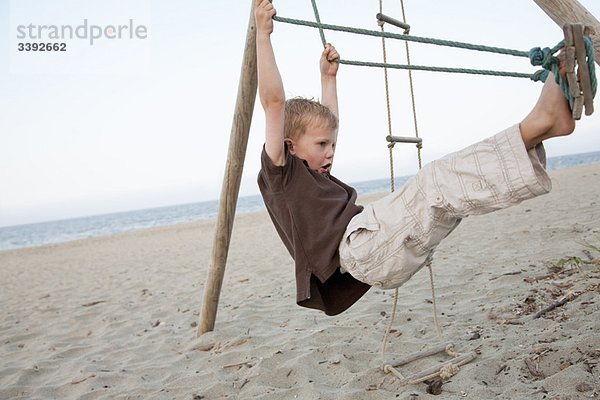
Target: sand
115,317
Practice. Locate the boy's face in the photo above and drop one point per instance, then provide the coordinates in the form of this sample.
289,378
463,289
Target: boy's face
316,146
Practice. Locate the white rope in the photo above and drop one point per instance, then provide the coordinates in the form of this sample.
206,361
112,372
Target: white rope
392,183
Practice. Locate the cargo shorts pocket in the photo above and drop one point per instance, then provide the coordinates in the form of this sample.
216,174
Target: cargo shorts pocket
360,243
359,235
380,255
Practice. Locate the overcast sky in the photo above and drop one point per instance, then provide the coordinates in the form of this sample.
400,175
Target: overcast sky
143,120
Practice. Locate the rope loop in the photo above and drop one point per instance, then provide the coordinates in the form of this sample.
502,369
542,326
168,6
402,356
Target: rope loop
540,75
543,57
550,63
450,351
547,60
448,371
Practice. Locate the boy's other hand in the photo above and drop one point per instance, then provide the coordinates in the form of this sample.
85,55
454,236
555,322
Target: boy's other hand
263,15
329,61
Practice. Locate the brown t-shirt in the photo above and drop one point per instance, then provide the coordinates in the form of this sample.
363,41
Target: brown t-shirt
310,212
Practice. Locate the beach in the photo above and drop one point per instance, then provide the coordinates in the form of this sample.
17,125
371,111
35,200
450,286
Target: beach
116,317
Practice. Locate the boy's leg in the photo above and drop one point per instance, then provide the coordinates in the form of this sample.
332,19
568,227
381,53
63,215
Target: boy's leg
395,236
550,117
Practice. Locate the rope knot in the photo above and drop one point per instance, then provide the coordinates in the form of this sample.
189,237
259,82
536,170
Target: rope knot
543,57
448,371
450,350
540,75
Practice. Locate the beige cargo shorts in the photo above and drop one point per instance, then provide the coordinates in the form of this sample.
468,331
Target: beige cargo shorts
394,237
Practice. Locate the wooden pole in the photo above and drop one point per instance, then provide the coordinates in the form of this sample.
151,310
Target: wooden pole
571,11
238,142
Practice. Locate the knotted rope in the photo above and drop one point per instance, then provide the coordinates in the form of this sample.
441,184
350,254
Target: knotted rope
538,57
550,63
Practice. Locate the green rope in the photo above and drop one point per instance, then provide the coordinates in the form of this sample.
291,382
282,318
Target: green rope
546,59
537,56
318,19
418,39
437,69
410,38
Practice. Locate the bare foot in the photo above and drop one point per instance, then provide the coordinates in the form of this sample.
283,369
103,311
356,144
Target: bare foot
550,117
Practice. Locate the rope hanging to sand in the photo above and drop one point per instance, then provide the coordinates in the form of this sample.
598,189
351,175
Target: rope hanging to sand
382,19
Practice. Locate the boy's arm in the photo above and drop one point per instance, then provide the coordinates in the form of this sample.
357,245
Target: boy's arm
329,67
270,85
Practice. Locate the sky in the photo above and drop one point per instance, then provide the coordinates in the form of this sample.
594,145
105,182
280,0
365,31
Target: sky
142,120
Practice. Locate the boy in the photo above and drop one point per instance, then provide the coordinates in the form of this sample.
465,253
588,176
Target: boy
340,249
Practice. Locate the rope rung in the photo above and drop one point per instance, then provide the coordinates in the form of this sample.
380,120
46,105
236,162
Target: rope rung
403,139
385,18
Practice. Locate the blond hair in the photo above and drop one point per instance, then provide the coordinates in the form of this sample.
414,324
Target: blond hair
300,113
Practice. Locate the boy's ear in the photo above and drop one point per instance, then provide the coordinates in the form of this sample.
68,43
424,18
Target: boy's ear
290,145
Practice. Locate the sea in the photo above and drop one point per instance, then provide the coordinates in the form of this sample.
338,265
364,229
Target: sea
38,234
